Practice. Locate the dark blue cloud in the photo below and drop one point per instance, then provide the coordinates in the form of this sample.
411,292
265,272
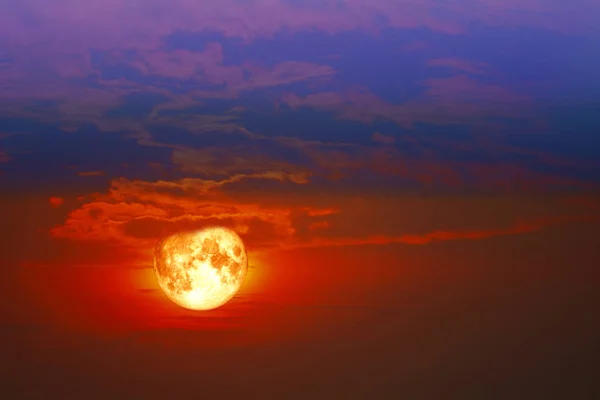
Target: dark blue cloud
392,65
136,105
523,59
49,158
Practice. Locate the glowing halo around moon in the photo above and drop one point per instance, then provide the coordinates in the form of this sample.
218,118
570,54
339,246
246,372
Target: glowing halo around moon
201,270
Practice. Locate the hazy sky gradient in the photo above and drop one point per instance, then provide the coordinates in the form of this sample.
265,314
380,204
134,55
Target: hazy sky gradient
416,183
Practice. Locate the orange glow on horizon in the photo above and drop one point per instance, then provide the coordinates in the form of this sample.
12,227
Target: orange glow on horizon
100,278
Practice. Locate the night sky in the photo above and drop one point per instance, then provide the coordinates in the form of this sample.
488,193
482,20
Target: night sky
417,183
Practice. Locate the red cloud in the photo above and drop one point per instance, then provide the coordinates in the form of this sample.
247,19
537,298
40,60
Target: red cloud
135,214
319,225
439,235
319,213
91,173
56,201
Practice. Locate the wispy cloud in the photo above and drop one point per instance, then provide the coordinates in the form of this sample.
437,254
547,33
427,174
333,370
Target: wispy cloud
382,138
459,65
133,214
134,34
454,100
91,173
440,236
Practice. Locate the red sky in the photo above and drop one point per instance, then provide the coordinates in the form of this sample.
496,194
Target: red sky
451,284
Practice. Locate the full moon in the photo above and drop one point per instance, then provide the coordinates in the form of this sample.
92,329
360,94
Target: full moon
201,270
